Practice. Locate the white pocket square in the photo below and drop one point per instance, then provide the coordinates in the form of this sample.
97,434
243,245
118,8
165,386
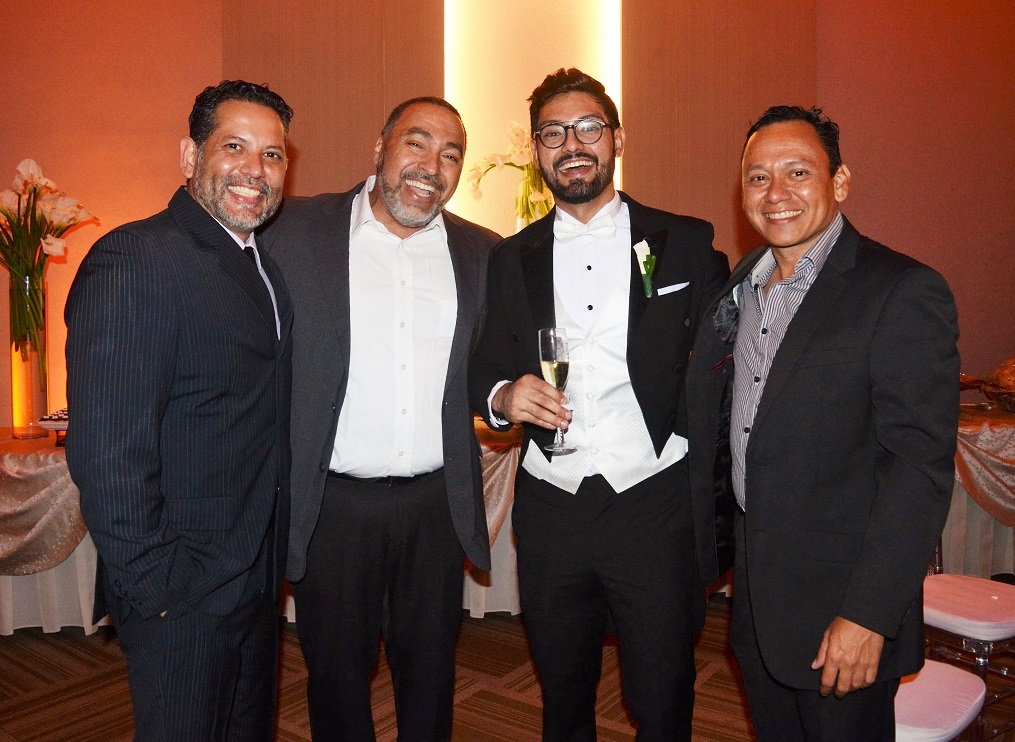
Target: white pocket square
663,290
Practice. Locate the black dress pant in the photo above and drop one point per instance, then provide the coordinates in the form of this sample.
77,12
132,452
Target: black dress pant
630,554
784,714
383,559
197,676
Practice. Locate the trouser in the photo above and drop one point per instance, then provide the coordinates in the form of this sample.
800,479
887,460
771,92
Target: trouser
197,676
585,556
383,559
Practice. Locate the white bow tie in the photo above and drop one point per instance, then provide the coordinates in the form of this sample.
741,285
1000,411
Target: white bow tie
602,227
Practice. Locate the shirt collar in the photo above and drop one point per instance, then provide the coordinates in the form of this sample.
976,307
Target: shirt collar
362,214
812,260
236,238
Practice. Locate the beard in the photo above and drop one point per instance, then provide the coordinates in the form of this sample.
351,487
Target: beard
578,191
409,216
211,192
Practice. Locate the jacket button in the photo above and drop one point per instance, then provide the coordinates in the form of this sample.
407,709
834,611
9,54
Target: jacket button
514,337
322,468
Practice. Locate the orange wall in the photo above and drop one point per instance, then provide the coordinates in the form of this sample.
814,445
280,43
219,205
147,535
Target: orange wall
924,95
342,66
100,100
694,76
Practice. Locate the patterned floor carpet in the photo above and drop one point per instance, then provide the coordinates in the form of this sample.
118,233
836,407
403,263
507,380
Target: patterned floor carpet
66,686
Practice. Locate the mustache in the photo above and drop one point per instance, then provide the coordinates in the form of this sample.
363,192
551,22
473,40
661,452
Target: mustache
575,156
433,180
259,185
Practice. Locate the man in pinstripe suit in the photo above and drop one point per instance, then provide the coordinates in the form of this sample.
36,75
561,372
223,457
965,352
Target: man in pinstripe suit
179,374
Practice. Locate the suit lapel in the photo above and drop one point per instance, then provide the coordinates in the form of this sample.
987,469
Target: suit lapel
466,280
331,252
820,299
537,272
211,237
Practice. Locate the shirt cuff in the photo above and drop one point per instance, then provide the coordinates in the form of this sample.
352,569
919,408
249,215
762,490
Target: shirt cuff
489,404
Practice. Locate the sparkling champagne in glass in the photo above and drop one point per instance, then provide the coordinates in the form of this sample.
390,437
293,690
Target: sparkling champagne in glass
553,363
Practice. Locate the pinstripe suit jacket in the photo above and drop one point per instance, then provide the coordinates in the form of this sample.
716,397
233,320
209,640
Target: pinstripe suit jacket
309,239
179,395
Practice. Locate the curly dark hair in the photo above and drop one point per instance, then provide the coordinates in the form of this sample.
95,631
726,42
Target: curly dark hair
203,119
571,81
827,130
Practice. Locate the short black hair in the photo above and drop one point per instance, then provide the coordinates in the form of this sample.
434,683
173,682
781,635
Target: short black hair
203,118
827,130
571,81
432,100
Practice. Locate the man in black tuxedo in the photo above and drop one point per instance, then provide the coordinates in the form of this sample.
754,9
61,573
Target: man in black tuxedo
178,361
610,528
390,292
841,357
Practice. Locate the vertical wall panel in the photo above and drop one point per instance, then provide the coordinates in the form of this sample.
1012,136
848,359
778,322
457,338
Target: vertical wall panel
925,96
694,76
100,100
342,66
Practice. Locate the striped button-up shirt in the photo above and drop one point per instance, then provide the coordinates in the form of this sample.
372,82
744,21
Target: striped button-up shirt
764,317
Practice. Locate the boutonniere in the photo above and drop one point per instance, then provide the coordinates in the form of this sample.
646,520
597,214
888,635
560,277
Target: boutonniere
647,266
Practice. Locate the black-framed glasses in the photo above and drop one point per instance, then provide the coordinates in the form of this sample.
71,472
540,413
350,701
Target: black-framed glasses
586,131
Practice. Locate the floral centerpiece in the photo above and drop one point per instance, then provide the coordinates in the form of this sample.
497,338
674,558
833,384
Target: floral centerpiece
34,217
534,199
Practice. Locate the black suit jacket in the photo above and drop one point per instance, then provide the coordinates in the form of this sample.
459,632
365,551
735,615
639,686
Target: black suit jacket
309,238
179,395
850,461
660,329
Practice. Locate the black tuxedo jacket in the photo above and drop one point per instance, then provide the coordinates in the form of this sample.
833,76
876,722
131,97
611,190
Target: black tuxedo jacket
178,388
660,329
850,461
309,239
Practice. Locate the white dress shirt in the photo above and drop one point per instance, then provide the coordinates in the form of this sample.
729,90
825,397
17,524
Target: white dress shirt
592,280
404,305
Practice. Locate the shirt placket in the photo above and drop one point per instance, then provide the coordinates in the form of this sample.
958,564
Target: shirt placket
404,346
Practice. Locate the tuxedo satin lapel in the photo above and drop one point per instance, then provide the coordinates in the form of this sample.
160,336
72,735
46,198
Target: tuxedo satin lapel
820,299
537,272
211,237
466,281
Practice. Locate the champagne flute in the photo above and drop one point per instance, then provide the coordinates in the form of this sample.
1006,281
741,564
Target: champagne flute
553,363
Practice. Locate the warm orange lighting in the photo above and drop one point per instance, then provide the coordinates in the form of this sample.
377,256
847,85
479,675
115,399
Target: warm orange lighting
26,406
494,55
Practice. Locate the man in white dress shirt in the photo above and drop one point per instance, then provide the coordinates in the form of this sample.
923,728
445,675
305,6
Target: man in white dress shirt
389,293
609,529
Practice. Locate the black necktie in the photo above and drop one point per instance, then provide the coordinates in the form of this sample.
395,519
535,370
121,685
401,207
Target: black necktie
249,252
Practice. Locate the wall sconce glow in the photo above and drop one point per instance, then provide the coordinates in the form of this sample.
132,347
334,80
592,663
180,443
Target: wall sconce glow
495,53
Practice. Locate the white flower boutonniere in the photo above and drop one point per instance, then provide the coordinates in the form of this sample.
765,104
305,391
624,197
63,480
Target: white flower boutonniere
647,266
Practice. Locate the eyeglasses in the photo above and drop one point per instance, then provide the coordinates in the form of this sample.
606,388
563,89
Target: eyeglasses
586,131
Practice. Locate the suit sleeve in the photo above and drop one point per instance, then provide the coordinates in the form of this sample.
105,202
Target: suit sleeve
120,361
914,366
493,358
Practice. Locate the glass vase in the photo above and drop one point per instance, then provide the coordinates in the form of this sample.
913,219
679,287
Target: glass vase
28,357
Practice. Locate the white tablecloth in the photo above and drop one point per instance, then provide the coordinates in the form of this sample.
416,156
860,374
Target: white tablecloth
979,538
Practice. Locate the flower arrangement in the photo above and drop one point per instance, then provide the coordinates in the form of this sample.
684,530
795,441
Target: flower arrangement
534,199
34,216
